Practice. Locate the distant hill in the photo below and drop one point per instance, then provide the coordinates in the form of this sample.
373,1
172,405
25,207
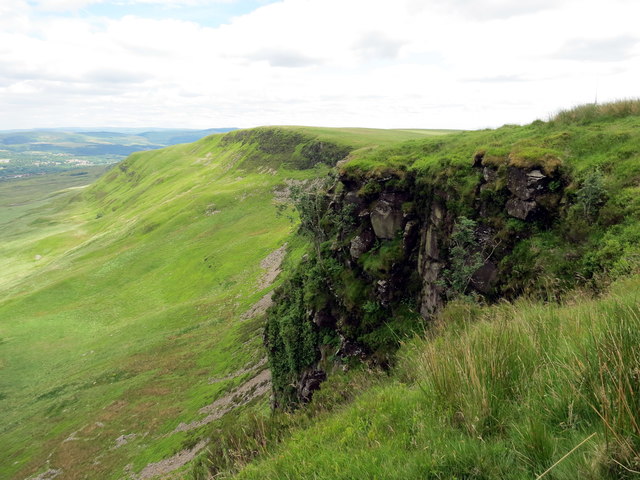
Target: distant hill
25,153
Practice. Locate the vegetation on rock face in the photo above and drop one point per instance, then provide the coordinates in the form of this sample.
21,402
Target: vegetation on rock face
291,337
536,211
290,147
592,194
464,258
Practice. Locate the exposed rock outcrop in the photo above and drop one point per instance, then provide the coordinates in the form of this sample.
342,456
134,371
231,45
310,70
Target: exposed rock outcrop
395,252
361,243
525,184
519,208
310,382
386,216
430,261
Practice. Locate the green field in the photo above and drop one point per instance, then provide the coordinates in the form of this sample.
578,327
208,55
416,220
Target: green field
369,137
121,302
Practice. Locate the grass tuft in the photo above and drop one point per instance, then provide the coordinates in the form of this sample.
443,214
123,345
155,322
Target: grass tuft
592,112
510,391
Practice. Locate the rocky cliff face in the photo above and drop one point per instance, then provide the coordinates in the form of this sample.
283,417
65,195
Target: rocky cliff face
397,259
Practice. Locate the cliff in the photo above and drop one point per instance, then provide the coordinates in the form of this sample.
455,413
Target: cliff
396,234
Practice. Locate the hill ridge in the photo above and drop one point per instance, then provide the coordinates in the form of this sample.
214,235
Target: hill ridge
161,293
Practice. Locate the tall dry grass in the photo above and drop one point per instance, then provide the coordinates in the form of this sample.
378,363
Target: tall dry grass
584,114
541,374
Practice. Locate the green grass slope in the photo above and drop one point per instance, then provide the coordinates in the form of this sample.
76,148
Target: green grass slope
121,304
544,387
506,392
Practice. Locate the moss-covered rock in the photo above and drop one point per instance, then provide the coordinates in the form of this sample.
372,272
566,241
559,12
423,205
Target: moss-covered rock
539,217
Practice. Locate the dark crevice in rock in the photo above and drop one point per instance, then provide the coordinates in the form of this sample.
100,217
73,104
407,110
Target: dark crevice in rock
390,260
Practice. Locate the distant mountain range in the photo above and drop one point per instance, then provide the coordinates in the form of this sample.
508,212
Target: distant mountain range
32,152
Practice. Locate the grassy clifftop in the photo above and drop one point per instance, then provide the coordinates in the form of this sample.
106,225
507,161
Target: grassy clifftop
521,390
590,153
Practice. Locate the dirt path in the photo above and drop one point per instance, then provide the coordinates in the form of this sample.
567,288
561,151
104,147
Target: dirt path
48,475
258,308
272,266
238,373
168,465
253,388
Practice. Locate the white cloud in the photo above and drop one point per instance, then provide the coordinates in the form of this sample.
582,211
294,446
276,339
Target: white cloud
64,5
492,9
363,62
74,5
170,3
613,49
373,45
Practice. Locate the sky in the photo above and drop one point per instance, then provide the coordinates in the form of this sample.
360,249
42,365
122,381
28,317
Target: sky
463,64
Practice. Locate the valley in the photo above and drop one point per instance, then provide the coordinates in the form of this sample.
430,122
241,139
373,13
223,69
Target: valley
302,302
319,240
24,153
124,303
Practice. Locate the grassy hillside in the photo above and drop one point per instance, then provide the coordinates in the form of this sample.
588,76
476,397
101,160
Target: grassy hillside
131,313
545,387
126,307
503,392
